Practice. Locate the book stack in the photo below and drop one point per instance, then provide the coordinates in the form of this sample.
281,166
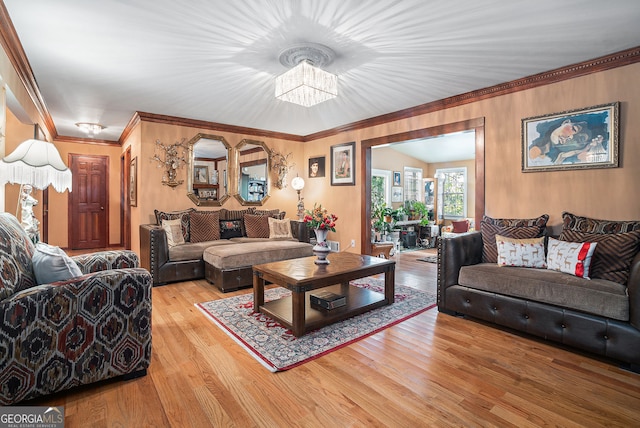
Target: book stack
326,300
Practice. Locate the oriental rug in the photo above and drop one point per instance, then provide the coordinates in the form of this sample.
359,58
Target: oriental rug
276,348
428,259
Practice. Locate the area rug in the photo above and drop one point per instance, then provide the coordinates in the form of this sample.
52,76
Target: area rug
275,347
428,259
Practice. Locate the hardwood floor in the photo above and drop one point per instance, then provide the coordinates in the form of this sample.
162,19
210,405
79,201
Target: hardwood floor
431,370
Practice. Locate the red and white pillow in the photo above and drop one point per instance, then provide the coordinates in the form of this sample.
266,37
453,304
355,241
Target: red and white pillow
570,257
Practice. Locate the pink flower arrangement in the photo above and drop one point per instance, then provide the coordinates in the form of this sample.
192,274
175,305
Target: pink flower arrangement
319,218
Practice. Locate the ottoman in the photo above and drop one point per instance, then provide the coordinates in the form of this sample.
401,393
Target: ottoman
228,267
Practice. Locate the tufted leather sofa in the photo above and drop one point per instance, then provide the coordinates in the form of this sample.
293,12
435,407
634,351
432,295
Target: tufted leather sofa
612,338
68,333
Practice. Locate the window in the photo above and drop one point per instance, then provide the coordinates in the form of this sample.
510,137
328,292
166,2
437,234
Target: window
412,184
452,193
380,187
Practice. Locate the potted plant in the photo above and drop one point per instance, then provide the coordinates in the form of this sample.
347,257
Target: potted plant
421,212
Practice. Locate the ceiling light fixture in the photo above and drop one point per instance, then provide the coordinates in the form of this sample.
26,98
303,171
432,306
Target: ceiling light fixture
306,84
90,128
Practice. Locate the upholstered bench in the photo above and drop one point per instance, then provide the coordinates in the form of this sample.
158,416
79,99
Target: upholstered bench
229,266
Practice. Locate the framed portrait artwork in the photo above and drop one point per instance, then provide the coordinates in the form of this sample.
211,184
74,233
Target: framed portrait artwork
133,182
396,194
316,167
396,178
576,139
343,164
201,174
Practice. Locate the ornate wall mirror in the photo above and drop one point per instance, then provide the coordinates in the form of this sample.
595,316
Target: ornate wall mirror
208,167
253,172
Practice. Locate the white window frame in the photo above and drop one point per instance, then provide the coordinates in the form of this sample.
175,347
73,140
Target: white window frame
440,174
388,181
408,172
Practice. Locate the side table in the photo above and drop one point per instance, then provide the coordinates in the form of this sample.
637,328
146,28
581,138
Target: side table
381,249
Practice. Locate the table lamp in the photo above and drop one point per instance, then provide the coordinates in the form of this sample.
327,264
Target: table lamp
298,184
34,163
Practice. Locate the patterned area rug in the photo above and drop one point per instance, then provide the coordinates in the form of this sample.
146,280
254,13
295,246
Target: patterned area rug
278,349
428,259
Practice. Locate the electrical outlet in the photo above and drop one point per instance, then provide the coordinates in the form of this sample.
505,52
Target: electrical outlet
353,243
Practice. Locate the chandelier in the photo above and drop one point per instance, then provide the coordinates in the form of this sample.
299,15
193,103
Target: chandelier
90,128
306,84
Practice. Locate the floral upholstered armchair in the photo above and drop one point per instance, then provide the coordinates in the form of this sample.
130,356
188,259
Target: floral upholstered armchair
54,336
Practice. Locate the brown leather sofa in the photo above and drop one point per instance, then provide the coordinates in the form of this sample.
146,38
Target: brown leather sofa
466,286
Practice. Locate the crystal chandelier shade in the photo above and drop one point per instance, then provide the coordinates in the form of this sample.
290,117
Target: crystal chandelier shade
306,84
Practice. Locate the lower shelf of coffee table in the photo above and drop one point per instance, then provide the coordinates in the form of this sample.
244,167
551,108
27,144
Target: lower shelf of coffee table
359,300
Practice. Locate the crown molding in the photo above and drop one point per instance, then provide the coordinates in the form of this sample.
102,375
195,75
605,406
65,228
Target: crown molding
14,51
607,62
210,126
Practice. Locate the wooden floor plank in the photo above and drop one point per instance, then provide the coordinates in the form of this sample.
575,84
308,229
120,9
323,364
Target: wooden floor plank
431,370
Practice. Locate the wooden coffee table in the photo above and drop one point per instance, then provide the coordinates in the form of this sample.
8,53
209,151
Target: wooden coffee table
303,275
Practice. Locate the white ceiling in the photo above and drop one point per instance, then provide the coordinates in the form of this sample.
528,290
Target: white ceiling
100,61
457,146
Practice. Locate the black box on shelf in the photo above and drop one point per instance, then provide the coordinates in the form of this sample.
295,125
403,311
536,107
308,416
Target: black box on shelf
327,300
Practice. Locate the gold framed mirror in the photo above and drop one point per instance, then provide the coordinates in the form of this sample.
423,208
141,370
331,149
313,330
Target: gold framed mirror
208,168
252,168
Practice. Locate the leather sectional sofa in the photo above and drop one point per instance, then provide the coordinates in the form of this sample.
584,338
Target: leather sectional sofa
596,315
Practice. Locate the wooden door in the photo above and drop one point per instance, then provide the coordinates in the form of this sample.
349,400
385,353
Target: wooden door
88,202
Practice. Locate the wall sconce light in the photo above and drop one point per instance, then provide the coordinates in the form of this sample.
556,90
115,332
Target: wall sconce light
90,128
298,184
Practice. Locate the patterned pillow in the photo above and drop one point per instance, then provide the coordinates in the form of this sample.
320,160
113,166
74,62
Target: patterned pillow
183,215
257,226
16,251
592,225
231,229
173,230
570,257
521,252
613,255
280,229
511,228
205,226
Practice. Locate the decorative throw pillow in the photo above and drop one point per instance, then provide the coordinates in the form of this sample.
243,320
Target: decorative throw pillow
593,225
489,232
51,264
618,243
570,257
614,254
521,252
230,229
257,226
173,229
460,226
205,226
280,229
518,228
183,215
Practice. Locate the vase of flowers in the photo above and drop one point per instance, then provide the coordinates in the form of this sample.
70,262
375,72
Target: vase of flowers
321,222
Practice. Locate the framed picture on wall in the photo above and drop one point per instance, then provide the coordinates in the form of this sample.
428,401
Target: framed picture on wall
201,174
575,139
316,167
133,182
396,194
396,178
343,164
